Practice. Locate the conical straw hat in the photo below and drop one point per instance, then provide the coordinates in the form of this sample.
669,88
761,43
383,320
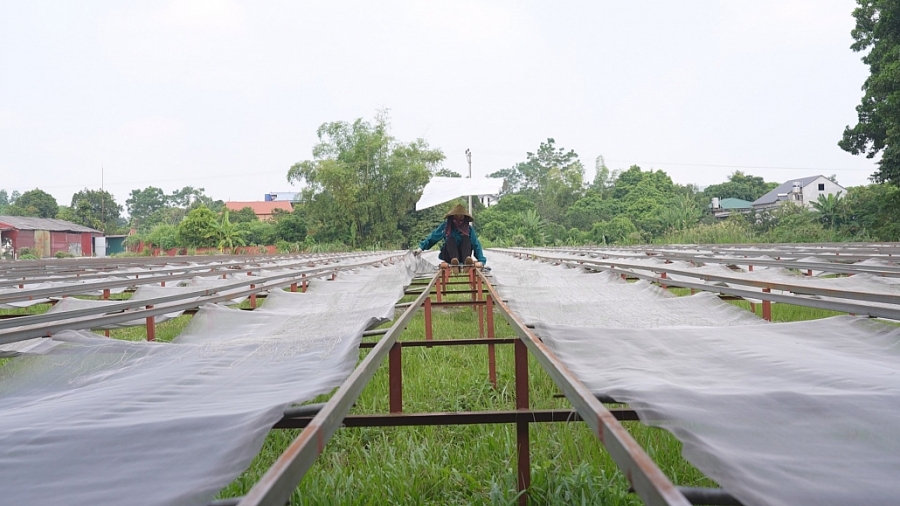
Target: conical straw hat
459,210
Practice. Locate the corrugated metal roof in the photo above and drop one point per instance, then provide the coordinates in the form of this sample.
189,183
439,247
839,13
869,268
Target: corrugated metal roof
53,225
772,196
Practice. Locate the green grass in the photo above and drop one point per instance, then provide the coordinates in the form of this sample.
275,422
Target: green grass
781,313
463,464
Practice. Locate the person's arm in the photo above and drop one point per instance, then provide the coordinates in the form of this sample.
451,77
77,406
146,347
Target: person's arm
476,245
433,239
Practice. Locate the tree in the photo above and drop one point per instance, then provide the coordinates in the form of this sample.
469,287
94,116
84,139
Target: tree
4,200
33,203
831,209
551,177
290,227
227,234
96,209
739,186
198,228
244,215
361,180
878,128
590,209
142,204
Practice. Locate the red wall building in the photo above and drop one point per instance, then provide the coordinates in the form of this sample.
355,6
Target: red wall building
45,236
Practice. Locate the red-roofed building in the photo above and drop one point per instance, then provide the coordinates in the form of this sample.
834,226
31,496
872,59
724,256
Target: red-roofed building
263,210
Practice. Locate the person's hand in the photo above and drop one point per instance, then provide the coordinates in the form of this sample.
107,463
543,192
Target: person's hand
417,251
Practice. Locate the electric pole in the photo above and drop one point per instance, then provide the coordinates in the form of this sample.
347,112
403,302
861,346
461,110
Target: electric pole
469,159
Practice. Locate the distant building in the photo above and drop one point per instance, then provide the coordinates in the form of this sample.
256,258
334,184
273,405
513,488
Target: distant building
723,208
277,196
802,191
263,210
46,237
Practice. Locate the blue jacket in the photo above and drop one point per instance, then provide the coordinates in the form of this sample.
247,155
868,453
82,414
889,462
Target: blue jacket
438,236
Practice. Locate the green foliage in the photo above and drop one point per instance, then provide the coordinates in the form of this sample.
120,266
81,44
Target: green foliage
96,209
739,186
257,232
551,177
35,202
227,234
361,180
832,209
615,230
878,129
874,212
590,209
730,231
290,227
163,236
244,215
63,254
198,229
142,204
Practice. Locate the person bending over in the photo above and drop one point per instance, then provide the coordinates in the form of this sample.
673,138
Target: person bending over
460,240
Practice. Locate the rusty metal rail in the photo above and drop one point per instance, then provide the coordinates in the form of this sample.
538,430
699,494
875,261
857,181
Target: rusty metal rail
276,486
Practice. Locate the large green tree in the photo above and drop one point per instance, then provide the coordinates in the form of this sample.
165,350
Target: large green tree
361,180
96,209
878,129
739,186
35,202
198,228
142,204
551,177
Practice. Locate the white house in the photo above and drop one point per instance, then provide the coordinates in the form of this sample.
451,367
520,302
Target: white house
802,191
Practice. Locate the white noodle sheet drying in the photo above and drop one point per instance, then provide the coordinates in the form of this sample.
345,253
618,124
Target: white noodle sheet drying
97,421
804,413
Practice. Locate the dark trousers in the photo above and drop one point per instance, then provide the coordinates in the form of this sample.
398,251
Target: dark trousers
460,251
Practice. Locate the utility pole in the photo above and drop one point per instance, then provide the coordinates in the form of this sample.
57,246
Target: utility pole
469,158
102,207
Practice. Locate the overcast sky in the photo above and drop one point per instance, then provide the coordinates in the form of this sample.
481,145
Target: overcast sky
228,95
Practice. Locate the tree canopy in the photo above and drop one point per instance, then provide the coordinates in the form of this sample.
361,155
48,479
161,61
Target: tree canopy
878,129
740,186
361,181
35,202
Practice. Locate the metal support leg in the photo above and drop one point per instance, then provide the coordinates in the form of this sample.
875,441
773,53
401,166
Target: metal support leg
523,443
151,326
429,331
492,361
395,378
439,287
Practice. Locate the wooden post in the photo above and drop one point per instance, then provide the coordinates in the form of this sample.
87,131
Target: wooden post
767,306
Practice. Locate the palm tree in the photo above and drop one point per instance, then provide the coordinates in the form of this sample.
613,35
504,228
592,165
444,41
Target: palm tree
831,208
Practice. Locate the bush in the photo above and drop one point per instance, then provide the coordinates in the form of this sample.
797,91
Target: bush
64,254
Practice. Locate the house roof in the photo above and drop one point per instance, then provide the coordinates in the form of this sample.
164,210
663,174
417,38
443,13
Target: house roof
772,196
261,207
733,203
52,225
